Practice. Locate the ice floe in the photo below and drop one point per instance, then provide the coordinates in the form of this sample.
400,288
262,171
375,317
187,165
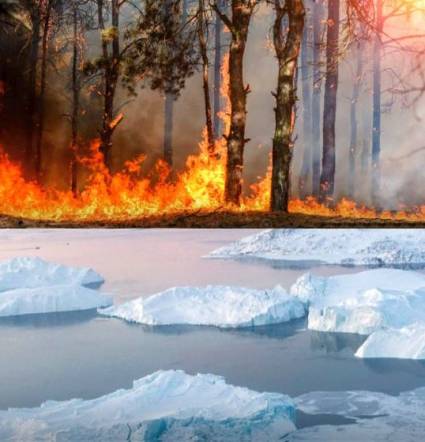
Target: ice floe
220,306
34,286
51,299
166,406
371,247
404,343
28,272
378,416
362,302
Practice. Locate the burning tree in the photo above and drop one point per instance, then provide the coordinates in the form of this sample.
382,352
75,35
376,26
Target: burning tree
287,45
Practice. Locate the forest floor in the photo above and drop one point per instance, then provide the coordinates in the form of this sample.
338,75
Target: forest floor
215,220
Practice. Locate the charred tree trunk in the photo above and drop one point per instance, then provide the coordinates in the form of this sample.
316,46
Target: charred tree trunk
202,36
217,71
376,127
32,90
75,104
307,162
110,80
318,13
238,26
38,160
287,53
327,178
353,120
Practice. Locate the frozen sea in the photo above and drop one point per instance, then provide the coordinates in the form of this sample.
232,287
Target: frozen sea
84,355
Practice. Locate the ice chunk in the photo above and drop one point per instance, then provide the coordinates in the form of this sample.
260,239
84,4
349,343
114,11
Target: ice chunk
404,343
26,272
374,247
167,405
51,299
363,302
220,306
379,417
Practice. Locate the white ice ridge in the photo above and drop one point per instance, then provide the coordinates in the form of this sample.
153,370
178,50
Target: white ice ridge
28,272
34,286
362,302
378,416
219,306
404,343
166,406
51,299
374,247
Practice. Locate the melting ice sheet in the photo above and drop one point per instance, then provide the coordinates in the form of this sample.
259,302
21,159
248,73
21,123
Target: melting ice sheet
371,247
167,405
34,286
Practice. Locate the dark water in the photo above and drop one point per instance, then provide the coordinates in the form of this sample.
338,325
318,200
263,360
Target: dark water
83,355
64,356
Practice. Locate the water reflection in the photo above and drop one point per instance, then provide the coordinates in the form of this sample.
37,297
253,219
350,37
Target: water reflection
329,343
61,319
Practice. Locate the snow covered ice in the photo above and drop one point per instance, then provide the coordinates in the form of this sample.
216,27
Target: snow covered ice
167,406
26,272
371,247
363,302
220,306
404,343
35,286
52,299
378,416
387,305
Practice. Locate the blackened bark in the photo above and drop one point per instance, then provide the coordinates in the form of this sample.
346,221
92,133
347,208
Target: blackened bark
38,159
318,13
307,161
238,26
205,78
287,52
327,178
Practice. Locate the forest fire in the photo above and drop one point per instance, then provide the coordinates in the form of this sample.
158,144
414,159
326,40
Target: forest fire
127,195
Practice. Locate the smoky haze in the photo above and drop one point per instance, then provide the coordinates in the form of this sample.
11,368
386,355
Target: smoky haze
141,131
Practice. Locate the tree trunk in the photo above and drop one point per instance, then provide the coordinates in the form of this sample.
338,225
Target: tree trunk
238,26
111,76
287,53
43,76
75,104
307,161
353,119
170,100
205,79
217,71
327,178
376,128
32,95
318,14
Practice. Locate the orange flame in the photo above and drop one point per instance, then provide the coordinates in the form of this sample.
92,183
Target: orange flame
129,195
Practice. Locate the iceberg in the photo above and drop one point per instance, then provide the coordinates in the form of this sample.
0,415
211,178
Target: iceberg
28,272
166,406
51,299
378,416
404,343
220,306
363,302
370,247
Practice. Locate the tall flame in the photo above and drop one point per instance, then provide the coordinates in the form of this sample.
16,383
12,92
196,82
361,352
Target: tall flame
129,195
